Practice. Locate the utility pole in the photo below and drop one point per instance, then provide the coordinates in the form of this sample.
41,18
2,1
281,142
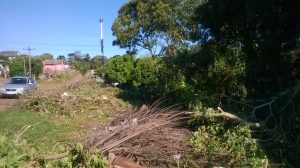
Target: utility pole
24,66
101,36
29,59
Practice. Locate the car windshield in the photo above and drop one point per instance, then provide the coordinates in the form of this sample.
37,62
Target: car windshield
18,81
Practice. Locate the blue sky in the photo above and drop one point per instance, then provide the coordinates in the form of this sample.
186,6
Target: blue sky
58,27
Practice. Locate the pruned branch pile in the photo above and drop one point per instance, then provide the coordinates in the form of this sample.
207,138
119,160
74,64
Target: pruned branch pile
147,135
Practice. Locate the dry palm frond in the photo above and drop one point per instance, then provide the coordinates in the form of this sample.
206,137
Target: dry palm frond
136,122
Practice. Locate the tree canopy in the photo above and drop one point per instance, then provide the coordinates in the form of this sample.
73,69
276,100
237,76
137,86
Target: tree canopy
159,26
16,66
46,56
267,31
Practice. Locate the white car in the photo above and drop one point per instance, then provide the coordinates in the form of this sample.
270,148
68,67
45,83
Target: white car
18,86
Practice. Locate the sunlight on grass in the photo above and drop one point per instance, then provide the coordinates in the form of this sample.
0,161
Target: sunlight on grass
44,133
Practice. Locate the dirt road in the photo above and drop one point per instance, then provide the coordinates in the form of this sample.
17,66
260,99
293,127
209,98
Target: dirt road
7,102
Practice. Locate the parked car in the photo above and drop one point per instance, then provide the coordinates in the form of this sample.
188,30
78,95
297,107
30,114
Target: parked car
18,86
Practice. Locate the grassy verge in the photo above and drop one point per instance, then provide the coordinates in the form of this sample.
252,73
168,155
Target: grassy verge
43,133
31,140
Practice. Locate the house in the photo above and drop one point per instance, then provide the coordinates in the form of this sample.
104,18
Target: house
11,54
54,65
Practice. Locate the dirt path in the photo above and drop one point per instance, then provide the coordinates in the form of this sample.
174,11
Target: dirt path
6,103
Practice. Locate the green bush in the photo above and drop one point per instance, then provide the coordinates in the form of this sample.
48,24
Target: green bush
144,73
230,145
119,69
198,76
78,157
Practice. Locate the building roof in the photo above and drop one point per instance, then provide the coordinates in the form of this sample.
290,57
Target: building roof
53,62
9,53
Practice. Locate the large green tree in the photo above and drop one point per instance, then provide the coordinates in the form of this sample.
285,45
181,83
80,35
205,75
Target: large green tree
16,66
159,26
61,57
267,31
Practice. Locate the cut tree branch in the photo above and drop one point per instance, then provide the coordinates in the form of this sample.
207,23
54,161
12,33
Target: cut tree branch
221,113
56,156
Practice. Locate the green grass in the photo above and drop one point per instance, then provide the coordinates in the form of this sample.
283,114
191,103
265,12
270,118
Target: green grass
44,133
45,137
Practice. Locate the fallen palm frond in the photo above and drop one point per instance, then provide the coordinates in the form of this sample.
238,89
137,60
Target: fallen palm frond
144,134
137,122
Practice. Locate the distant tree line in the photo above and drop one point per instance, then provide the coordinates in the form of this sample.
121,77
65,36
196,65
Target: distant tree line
84,62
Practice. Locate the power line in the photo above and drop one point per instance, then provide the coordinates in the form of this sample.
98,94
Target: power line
29,54
52,44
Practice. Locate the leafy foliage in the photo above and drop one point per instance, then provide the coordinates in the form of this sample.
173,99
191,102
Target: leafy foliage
82,66
12,155
242,50
144,73
119,69
17,66
37,67
234,145
61,57
190,78
78,157
268,33
204,74
98,63
45,56
80,61
157,26
71,100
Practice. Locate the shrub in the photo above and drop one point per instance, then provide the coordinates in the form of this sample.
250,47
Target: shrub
223,143
22,155
119,69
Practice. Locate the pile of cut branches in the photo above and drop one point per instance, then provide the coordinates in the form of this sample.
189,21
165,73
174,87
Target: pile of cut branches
149,135
78,96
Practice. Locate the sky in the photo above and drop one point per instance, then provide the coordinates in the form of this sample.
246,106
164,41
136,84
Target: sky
58,27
